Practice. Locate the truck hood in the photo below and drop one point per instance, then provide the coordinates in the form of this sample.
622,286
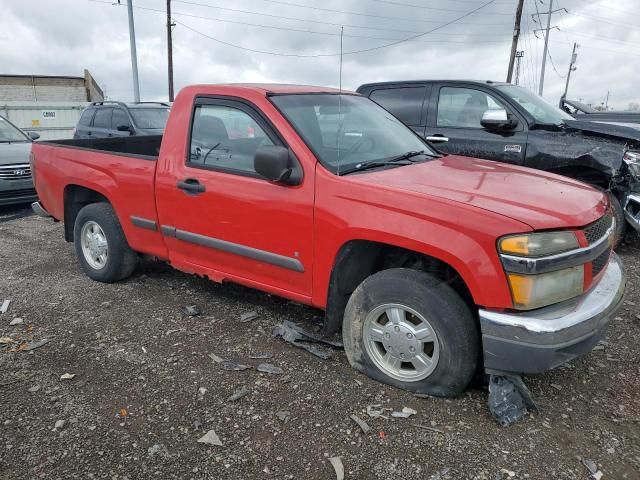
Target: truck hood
11,153
605,128
539,199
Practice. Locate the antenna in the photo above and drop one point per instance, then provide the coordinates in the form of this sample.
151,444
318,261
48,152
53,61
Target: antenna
341,120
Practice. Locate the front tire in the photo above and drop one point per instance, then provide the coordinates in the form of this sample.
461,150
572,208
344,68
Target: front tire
409,329
101,247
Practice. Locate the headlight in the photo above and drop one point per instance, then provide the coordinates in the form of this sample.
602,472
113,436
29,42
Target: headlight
632,159
538,244
535,291
542,289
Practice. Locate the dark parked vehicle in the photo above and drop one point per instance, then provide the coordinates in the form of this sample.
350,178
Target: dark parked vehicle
508,123
580,111
118,119
16,184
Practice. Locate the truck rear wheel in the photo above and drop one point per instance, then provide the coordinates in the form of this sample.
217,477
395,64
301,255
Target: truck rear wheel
101,247
409,329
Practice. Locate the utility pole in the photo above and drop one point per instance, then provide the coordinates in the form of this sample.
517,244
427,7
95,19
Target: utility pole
606,102
546,48
134,55
572,67
514,41
169,50
519,55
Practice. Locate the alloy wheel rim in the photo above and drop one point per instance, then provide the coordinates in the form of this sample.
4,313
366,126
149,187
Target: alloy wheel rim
401,342
94,245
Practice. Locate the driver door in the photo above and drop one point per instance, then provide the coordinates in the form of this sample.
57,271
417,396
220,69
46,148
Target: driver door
454,126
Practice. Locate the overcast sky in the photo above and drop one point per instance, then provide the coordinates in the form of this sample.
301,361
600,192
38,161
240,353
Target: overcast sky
62,37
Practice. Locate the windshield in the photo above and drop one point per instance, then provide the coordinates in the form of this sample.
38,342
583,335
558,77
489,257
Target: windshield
345,130
9,133
147,118
537,107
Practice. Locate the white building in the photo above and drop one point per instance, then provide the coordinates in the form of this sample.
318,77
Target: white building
49,105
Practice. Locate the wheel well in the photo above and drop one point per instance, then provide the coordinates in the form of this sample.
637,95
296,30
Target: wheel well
76,197
358,259
588,175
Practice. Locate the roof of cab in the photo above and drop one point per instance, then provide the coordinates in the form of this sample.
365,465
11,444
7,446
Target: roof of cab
273,88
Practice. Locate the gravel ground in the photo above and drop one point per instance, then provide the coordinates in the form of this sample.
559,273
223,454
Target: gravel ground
137,405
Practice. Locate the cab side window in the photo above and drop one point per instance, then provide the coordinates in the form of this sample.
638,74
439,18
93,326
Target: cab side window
404,103
103,118
463,107
225,138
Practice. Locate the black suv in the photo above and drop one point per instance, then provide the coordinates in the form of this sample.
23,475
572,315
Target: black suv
118,119
508,123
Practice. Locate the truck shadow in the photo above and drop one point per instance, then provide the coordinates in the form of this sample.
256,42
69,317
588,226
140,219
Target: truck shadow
14,212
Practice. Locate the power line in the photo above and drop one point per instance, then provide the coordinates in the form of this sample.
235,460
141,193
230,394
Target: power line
205,5
353,52
553,65
305,31
322,9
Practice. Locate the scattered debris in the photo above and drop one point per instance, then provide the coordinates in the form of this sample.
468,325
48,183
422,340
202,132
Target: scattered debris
298,337
282,415
338,467
215,358
377,411
158,449
509,473
34,345
5,306
6,340
210,438
361,423
590,465
192,310
34,389
269,368
261,356
509,399
67,376
123,413
556,386
16,321
233,365
405,413
59,425
430,429
441,474
238,394
247,317
201,393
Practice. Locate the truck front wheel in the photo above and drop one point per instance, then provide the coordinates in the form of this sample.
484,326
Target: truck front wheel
409,329
101,247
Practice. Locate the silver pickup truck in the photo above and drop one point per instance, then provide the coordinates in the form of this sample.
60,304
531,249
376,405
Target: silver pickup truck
16,185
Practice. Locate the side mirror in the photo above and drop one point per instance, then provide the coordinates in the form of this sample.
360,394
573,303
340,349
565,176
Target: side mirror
33,135
277,164
123,128
498,120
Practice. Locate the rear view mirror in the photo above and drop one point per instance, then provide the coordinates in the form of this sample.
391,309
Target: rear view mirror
498,120
33,135
277,164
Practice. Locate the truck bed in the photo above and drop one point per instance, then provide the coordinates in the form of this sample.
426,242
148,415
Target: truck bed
147,147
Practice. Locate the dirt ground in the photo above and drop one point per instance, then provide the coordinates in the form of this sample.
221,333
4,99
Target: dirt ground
136,405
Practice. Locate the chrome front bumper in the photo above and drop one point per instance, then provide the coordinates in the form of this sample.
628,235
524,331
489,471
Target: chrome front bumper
539,340
631,207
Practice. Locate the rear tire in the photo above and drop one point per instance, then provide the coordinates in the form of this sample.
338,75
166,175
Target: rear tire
101,247
383,342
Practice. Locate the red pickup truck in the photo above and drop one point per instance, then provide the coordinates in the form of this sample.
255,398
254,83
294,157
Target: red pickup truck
433,265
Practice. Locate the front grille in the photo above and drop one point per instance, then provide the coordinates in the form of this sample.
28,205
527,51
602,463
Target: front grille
18,171
598,229
600,262
24,192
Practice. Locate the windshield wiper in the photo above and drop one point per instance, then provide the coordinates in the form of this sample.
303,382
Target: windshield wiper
404,159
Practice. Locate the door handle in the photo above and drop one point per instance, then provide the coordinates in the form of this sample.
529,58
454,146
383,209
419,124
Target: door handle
191,185
437,138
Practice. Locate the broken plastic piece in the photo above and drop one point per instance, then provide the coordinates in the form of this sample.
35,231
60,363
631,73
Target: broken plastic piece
34,345
210,438
361,423
5,306
271,369
509,399
405,413
192,310
338,467
247,317
298,337
238,394
233,365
